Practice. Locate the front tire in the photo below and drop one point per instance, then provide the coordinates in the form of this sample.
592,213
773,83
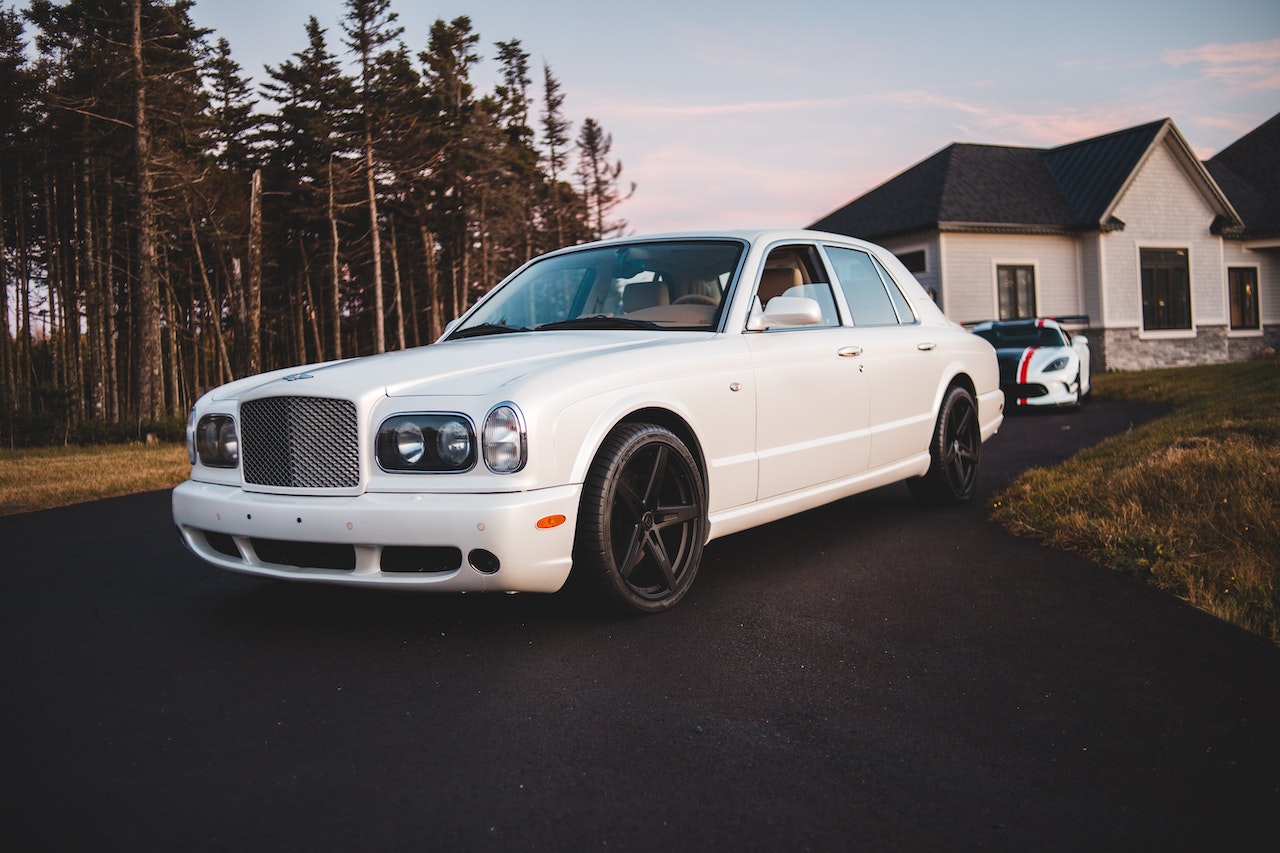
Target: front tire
642,520
955,452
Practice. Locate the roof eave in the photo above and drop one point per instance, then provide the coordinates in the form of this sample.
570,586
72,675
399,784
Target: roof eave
1208,187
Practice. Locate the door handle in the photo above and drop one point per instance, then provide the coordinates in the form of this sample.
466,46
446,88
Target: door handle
926,346
849,352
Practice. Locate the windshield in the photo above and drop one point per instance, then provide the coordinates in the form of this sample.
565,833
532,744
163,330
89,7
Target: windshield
677,285
1022,335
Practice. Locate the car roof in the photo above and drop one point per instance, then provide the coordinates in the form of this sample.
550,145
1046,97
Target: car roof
754,236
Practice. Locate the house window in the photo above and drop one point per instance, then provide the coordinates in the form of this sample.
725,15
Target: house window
914,261
1242,284
1017,291
1166,289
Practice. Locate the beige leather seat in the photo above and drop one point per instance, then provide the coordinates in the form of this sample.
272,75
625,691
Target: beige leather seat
645,294
776,281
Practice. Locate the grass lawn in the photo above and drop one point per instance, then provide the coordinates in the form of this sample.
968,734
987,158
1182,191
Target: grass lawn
44,477
1189,502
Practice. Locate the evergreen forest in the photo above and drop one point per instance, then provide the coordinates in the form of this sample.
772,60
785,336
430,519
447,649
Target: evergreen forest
168,224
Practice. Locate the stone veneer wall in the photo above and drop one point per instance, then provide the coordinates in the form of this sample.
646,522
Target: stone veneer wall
1121,349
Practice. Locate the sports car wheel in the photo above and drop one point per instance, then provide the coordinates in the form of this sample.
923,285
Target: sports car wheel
955,452
642,521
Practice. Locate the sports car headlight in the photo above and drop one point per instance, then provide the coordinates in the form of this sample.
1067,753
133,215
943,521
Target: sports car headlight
216,441
428,442
1057,364
504,441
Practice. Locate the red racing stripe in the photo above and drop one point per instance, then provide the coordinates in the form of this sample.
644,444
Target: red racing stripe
1025,364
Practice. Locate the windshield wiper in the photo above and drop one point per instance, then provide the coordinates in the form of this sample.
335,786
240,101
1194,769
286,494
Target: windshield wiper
598,321
485,329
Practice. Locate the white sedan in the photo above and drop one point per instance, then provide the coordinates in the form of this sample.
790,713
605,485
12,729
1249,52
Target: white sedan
607,409
1040,363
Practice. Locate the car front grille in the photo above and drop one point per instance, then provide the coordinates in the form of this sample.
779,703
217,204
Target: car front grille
300,442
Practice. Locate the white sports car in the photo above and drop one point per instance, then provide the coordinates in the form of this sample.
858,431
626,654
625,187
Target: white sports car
607,409
1040,364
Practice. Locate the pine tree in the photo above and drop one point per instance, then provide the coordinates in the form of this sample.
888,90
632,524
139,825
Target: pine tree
310,162
599,178
369,29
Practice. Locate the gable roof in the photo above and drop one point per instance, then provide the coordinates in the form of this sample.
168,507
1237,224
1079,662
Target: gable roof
1091,173
1248,171
966,187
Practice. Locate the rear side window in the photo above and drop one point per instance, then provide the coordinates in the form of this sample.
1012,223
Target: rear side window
866,290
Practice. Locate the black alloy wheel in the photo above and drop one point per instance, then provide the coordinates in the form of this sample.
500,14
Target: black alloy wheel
955,452
642,520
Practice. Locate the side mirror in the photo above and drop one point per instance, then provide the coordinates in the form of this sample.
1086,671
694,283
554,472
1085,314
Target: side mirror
786,312
1078,340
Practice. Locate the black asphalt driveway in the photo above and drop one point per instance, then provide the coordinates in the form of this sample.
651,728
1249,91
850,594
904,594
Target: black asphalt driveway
870,675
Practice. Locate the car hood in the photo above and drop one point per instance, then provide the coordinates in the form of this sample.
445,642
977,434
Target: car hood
1011,360
469,367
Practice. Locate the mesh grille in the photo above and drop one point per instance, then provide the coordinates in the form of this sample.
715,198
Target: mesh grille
300,442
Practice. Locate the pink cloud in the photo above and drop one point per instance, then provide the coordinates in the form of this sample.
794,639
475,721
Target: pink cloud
1245,65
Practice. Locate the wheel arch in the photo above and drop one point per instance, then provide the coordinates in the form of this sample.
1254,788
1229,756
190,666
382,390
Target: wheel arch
957,376
659,413
679,427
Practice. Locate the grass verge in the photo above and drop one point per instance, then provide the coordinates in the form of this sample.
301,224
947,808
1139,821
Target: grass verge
1189,502
44,477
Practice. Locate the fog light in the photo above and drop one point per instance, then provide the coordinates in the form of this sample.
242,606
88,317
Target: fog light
483,561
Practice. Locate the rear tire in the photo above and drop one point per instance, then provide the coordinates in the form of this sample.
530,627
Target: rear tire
955,452
642,520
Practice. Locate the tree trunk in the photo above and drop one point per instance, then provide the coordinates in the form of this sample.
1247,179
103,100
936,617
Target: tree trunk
213,307
312,311
379,319
7,389
434,305
89,253
255,275
334,269
399,297
111,369
149,392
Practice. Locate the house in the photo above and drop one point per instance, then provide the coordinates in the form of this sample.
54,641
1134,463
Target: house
1173,261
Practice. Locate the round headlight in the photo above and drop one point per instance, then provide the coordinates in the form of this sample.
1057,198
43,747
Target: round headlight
429,442
216,440
453,443
229,441
410,443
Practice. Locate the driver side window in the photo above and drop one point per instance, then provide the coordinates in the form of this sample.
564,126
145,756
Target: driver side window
795,271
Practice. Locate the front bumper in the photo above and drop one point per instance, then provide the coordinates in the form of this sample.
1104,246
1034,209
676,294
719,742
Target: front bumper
434,541
1043,394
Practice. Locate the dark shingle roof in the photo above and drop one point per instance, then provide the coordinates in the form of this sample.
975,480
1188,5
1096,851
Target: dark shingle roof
1092,172
1248,171
1001,188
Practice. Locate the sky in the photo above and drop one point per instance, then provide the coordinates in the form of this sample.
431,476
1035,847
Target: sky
743,114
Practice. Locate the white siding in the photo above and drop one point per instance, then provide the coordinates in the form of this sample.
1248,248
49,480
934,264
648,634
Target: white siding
970,273
1268,263
1091,276
931,278
1162,209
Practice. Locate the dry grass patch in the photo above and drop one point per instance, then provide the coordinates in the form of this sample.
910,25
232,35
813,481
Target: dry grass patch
44,477
1189,502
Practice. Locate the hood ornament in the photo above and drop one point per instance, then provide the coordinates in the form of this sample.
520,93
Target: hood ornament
294,377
